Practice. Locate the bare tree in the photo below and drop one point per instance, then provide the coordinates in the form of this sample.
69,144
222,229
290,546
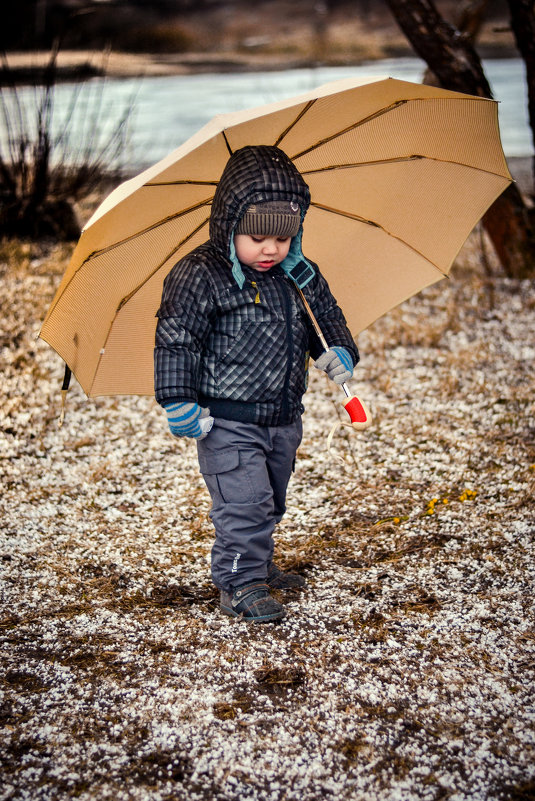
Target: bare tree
468,19
452,58
44,172
523,25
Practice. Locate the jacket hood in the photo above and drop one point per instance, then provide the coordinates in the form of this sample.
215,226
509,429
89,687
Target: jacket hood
257,174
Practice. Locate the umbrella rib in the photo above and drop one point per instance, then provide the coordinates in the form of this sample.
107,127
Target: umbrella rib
295,121
351,165
352,127
399,160
153,227
381,228
223,134
142,284
182,242
183,182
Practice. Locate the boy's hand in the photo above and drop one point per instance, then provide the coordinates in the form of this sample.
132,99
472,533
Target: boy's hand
188,420
337,363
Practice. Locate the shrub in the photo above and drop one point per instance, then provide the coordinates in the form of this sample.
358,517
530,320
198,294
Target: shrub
45,169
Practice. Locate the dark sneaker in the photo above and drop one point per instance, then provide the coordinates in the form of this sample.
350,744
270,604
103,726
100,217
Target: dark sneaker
278,580
253,602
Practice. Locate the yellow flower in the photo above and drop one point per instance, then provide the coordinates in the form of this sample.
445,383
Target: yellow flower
468,494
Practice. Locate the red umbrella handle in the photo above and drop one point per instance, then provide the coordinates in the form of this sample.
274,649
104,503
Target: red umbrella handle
356,409
358,413
360,419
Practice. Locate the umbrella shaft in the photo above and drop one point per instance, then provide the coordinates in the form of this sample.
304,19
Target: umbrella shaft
313,320
318,331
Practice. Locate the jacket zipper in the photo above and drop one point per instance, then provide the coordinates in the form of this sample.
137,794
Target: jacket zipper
288,315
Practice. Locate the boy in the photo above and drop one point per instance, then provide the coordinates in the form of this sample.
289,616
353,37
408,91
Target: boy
231,357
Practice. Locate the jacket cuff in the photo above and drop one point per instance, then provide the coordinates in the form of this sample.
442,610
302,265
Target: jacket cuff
165,401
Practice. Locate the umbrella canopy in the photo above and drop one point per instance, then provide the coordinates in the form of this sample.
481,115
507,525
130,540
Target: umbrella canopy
399,174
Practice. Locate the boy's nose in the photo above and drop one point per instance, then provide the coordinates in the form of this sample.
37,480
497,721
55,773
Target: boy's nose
270,246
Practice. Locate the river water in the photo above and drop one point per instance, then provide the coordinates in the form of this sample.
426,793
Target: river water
168,110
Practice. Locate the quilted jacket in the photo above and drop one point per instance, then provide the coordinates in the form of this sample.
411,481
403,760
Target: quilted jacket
234,339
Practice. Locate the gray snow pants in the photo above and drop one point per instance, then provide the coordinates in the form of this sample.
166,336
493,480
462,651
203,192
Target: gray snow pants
246,468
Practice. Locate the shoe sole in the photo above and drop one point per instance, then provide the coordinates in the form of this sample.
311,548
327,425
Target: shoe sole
259,619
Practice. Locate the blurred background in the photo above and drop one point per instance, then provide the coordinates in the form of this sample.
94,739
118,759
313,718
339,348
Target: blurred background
331,31
93,92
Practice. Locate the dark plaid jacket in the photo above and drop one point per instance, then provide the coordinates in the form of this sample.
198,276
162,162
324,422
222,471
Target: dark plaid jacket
242,352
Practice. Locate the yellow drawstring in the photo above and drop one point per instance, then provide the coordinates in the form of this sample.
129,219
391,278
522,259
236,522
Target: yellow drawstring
257,298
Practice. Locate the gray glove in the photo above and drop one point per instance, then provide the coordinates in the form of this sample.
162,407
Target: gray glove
337,363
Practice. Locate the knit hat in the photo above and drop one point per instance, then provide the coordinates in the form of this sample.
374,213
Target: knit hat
272,218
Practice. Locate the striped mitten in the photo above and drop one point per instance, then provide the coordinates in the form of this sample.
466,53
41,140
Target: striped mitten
188,420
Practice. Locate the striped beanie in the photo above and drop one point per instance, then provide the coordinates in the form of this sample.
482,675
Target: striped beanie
273,218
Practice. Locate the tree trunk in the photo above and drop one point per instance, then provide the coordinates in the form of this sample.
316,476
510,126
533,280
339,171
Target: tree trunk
523,25
453,59
469,18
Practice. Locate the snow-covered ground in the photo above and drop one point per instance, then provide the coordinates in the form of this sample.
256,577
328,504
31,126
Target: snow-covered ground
404,671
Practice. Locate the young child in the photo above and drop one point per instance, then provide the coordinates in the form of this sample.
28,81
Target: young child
232,347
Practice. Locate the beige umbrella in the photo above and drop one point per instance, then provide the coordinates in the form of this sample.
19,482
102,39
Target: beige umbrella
399,174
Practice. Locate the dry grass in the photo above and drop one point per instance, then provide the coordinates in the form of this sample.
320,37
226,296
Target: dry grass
405,670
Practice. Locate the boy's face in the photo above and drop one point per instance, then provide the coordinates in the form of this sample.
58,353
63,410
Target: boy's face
261,252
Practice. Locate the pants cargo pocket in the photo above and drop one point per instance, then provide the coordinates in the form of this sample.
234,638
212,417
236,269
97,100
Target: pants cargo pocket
225,473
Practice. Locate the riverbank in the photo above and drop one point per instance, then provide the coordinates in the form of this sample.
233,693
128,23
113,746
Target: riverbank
72,65
157,94
226,42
